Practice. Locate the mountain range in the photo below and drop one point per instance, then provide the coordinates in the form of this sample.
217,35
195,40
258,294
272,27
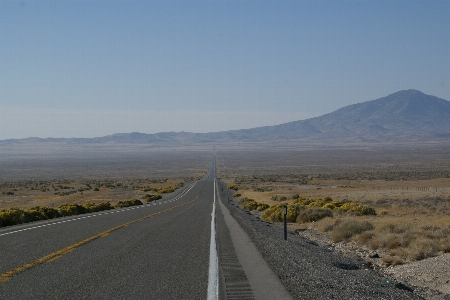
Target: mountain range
405,116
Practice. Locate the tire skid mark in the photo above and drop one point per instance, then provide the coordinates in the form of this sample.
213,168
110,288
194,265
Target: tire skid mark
55,255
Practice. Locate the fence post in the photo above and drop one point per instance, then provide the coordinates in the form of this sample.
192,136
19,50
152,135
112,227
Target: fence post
285,222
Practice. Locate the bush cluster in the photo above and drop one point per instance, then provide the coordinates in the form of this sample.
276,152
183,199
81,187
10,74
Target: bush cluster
169,189
346,207
343,230
150,198
250,204
127,203
14,215
310,210
233,187
403,242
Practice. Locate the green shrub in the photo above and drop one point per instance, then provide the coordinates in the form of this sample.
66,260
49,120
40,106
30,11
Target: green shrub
250,204
275,213
169,189
262,206
71,209
104,206
233,187
92,207
236,195
127,203
11,216
14,215
48,212
150,198
31,215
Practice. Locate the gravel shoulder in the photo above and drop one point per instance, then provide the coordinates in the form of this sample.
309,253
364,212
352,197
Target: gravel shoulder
431,276
311,270
428,278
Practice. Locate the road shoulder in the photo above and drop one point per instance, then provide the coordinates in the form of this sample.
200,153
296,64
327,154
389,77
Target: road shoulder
264,283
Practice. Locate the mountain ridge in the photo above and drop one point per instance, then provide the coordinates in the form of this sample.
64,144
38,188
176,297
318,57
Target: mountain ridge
407,115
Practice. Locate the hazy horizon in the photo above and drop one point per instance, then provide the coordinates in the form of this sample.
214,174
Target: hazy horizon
94,68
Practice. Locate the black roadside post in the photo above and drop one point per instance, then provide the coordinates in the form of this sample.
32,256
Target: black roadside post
285,222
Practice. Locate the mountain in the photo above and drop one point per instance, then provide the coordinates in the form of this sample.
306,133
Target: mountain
405,116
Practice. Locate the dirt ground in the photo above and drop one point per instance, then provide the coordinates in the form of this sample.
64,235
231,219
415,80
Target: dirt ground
27,194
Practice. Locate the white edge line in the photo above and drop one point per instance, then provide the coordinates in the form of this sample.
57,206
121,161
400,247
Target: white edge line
213,278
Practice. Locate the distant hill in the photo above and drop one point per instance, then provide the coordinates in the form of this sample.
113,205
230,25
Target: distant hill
405,116
402,116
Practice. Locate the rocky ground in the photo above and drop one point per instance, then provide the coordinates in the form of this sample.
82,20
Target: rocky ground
428,278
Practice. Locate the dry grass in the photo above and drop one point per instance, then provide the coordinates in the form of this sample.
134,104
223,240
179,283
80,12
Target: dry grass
412,221
53,193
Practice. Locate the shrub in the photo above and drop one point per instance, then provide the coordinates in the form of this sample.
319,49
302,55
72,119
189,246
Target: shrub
248,204
346,229
150,198
233,187
11,216
275,213
128,203
31,215
236,195
48,212
251,205
313,214
169,189
71,209
92,207
364,238
262,206
357,209
395,228
14,215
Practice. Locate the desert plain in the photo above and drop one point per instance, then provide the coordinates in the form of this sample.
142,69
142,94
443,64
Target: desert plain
408,187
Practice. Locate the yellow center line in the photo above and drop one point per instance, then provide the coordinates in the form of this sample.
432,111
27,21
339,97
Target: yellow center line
55,255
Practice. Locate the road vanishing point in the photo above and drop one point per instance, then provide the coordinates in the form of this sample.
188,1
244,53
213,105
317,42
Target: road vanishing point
167,249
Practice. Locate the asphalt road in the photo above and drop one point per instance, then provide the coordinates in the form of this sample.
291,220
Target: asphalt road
156,251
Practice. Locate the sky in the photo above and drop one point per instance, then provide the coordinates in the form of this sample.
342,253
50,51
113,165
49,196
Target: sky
94,68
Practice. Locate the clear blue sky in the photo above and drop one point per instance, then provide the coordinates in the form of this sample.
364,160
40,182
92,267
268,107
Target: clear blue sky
93,68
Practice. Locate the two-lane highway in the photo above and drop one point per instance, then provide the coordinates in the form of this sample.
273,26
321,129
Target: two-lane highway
156,251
